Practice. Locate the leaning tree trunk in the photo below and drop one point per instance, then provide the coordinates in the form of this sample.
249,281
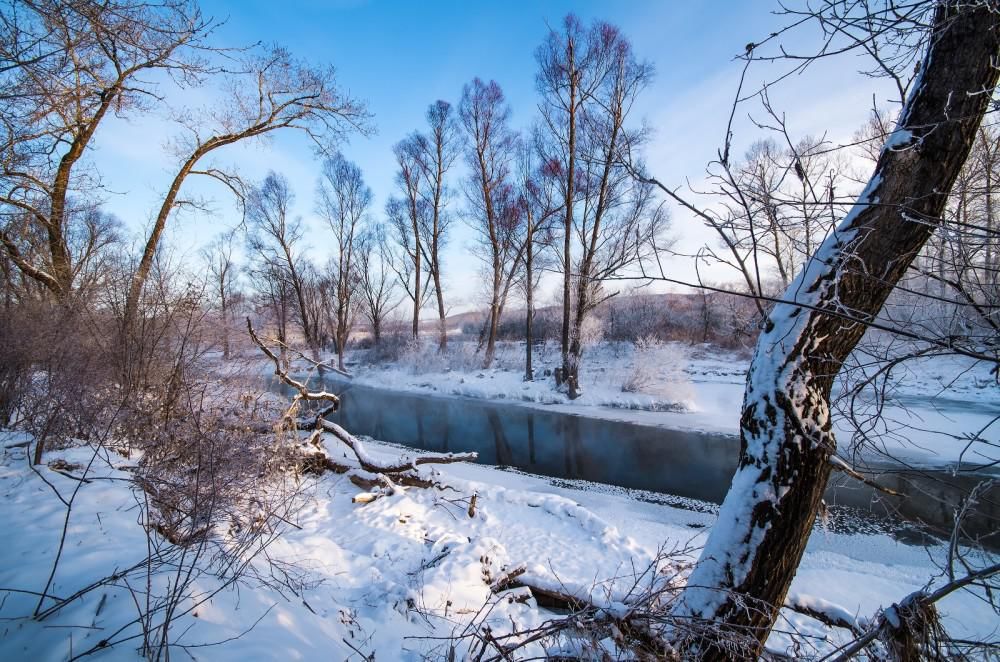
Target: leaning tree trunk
787,440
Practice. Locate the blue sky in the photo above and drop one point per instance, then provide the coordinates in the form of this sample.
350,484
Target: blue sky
401,56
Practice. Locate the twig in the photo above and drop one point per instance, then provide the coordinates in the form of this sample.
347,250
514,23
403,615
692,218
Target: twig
841,465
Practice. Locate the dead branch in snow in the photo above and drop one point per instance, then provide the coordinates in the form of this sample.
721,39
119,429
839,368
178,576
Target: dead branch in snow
508,579
828,614
371,473
303,392
633,614
910,629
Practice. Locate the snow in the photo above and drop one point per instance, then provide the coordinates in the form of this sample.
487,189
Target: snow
398,576
900,138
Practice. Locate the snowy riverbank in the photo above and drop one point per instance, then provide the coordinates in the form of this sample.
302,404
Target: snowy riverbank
397,577
936,406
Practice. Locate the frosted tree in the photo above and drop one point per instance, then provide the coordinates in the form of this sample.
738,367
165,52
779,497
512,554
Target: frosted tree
222,272
787,442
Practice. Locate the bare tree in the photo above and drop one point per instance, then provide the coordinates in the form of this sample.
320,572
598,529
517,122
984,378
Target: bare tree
274,237
569,72
66,67
275,299
376,284
787,222
407,217
963,259
589,80
435,153
775,208
272,92
752,552
344,201
619,218
538,202
495,212
222,270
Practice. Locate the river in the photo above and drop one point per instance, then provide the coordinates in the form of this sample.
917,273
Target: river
654,458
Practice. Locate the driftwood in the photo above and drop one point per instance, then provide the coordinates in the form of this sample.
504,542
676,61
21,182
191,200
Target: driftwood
634,627
371,473
507,580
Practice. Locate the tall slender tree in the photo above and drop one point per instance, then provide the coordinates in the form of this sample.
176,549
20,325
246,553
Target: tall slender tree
495,211
344,202
588,79
407,217
538,201
435,153
274,236
567,76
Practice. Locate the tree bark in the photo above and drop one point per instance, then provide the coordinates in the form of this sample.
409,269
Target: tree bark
442,324
491,333
225,328
529,313
574,78
435,258
414,219
787,439
153,241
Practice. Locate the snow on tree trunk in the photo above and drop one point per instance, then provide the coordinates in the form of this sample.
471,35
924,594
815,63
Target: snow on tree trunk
787,439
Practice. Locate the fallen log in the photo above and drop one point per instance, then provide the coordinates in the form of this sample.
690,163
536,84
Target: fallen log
372,472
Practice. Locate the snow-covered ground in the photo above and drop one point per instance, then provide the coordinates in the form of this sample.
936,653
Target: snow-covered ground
397,577
937,403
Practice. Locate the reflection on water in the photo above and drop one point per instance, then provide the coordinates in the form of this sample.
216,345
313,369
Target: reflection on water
690,464
543,442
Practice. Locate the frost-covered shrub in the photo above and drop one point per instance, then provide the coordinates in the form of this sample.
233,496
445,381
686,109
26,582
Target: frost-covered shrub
658,369
591,331
642,374
674,383
391,347
424,357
